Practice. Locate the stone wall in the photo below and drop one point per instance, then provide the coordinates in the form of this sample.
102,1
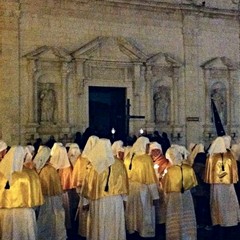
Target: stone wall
185,46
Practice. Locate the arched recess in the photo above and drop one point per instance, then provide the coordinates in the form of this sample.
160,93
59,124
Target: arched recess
220,80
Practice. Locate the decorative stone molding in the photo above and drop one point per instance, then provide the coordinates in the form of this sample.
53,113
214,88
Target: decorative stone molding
48,71
114,62
107,59
163,74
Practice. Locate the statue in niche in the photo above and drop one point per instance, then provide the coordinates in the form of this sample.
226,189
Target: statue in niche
162,105
47,100
217,95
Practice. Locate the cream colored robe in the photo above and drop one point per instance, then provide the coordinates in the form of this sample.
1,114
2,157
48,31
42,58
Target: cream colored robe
221,173
143,189
51,217
17,216
106,207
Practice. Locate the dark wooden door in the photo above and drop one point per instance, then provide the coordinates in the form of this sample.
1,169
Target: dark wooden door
107,110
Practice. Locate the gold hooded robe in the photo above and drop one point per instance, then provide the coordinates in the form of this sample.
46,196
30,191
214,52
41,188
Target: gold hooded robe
221,168
114,178
142,170
24,191
179,178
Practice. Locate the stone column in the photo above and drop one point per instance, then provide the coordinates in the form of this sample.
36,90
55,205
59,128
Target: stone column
10,61
176,98
192,93
149,101
207,96
136,106
65,74
31,93
80,75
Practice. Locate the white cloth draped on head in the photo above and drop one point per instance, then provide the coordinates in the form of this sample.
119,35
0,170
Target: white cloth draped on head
42,157
194,150
116,147
29,150
55,146
12,161
191,146
101,155
92,140
154,145
139,147
217,146
199,148
175,154
182,150
73,153
59,158
40,148
227,141
3,145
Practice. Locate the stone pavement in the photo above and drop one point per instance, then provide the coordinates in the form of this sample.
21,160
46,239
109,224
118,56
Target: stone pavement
215,233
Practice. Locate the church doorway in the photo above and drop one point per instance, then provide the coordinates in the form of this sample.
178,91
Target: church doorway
107,110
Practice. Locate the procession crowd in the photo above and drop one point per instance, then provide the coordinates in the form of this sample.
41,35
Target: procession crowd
110,190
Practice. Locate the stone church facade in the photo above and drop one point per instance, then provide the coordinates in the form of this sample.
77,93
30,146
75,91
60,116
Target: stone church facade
172,57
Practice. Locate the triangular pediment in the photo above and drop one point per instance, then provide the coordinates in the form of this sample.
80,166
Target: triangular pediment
47,53
218,63
163,59
110,49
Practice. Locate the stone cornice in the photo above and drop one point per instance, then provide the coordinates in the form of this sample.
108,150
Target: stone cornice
172,7
87,8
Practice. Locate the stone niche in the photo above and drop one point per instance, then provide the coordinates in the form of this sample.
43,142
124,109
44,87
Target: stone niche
49,70
163,83
220,86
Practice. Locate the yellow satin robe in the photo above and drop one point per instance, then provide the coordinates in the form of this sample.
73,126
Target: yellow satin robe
50,181
66,177
24,192
94,185
142,170
79,171
214,172
175,178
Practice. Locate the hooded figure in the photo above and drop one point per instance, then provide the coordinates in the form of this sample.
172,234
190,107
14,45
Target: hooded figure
73,153
143,190
118,149
80,166
177,183
221,173
161,164
78,177
106,187
20,191
60,161
30,151
51,217
194,149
